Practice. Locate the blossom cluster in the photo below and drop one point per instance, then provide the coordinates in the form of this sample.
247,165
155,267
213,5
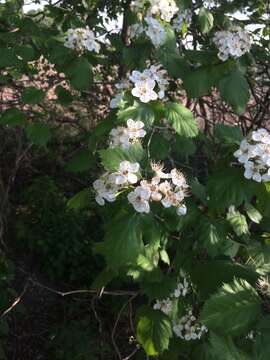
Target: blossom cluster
188,328
109,184
254,154
234,43
125,136
152,28
81,39
148,85
165,9
166,305
170,192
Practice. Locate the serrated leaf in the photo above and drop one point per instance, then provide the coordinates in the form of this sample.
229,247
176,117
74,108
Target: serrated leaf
79,72
64,97
159,147
233,309
153,331
223,348
184,146
198,190
122,244
206,20
181,119
164,257
13,117
138,111
79,201
112,157
209,275
234,90
32,95
259,257
228,134
238,222
38,133
226,187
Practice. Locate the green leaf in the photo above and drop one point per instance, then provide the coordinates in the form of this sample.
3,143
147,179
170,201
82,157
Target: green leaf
153,331
138,111
206,20
253,213
81,161
238,222
233,309
184,146
79,72
26,52
259,257
8,58
228,134
111,157
226,187
63,95
234,90
103,278
79,201
13,117
32,95
38,133
122,244
209,275
159,147
262,339
198,190
181,119
223,348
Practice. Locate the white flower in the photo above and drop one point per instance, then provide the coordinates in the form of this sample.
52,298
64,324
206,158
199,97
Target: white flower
253,171
166,9
178,178
82,38
127,173
105,189
165,305
119,137
234,43
135,129
144,90
155,31
153,187
182,289
139,199
188,328
245,152
261,135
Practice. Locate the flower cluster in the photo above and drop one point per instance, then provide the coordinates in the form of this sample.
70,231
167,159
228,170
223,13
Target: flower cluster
152,29
165,9
123,85
254,154
188,328
81,39
234,43
149,84
185,17
109,184
170,192
166,305
125,136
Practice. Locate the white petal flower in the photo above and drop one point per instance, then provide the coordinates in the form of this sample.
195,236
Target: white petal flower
144,91
181,210
165,305
82,38
139,199
135,129
155,31
127,173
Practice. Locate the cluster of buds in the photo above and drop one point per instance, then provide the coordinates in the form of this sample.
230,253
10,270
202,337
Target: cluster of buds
254,155
82,38
234,43
188,328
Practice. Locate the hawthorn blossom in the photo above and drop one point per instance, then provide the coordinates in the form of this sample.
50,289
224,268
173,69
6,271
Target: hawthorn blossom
127,173
188,328
105,189
82,38
234,43
254,155
144,90
155,31
135,129
153,187
166,9
114,103
182,288
164,305
126,136
139,198
185,17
